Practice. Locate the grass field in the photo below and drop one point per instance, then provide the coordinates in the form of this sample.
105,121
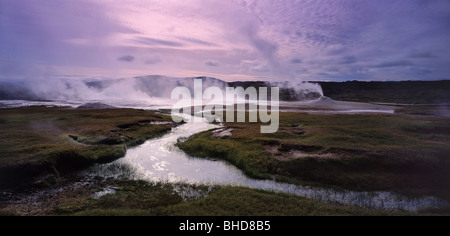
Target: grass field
140,198
407,154
145,199
39,140
400,153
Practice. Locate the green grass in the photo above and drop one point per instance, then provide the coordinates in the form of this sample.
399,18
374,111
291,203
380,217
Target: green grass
38,140
5,213
425,110
140,198
407,154
371,152
248,202
134,198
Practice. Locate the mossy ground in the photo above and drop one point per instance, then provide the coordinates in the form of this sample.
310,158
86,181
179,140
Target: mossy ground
38,140
365,152
141,198
379,152
146,199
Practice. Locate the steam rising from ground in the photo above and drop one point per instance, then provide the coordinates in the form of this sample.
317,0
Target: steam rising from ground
301,91
80,90
148,88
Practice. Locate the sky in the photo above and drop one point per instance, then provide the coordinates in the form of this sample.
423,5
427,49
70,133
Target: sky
232,40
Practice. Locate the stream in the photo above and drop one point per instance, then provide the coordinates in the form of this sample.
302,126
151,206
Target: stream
160,160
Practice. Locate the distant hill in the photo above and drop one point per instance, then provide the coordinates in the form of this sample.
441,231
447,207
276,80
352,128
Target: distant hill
407,92
16,91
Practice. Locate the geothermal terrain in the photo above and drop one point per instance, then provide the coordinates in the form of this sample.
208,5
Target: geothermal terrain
110,147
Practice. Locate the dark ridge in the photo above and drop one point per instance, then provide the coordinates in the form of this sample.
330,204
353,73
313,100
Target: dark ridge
96,105
15,91
406,92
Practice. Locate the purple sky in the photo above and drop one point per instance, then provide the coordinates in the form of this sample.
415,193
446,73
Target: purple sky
335,40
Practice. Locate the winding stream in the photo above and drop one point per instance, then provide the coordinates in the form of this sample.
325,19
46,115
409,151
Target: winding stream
161,160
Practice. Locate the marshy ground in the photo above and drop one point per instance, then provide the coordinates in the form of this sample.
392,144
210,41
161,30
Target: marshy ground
36,141
367,152
363,152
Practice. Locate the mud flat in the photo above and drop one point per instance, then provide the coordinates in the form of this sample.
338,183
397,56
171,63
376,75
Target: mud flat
328,105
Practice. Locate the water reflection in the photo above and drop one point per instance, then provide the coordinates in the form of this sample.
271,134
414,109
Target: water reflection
161,160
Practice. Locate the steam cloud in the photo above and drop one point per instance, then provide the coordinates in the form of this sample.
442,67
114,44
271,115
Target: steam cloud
149,87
